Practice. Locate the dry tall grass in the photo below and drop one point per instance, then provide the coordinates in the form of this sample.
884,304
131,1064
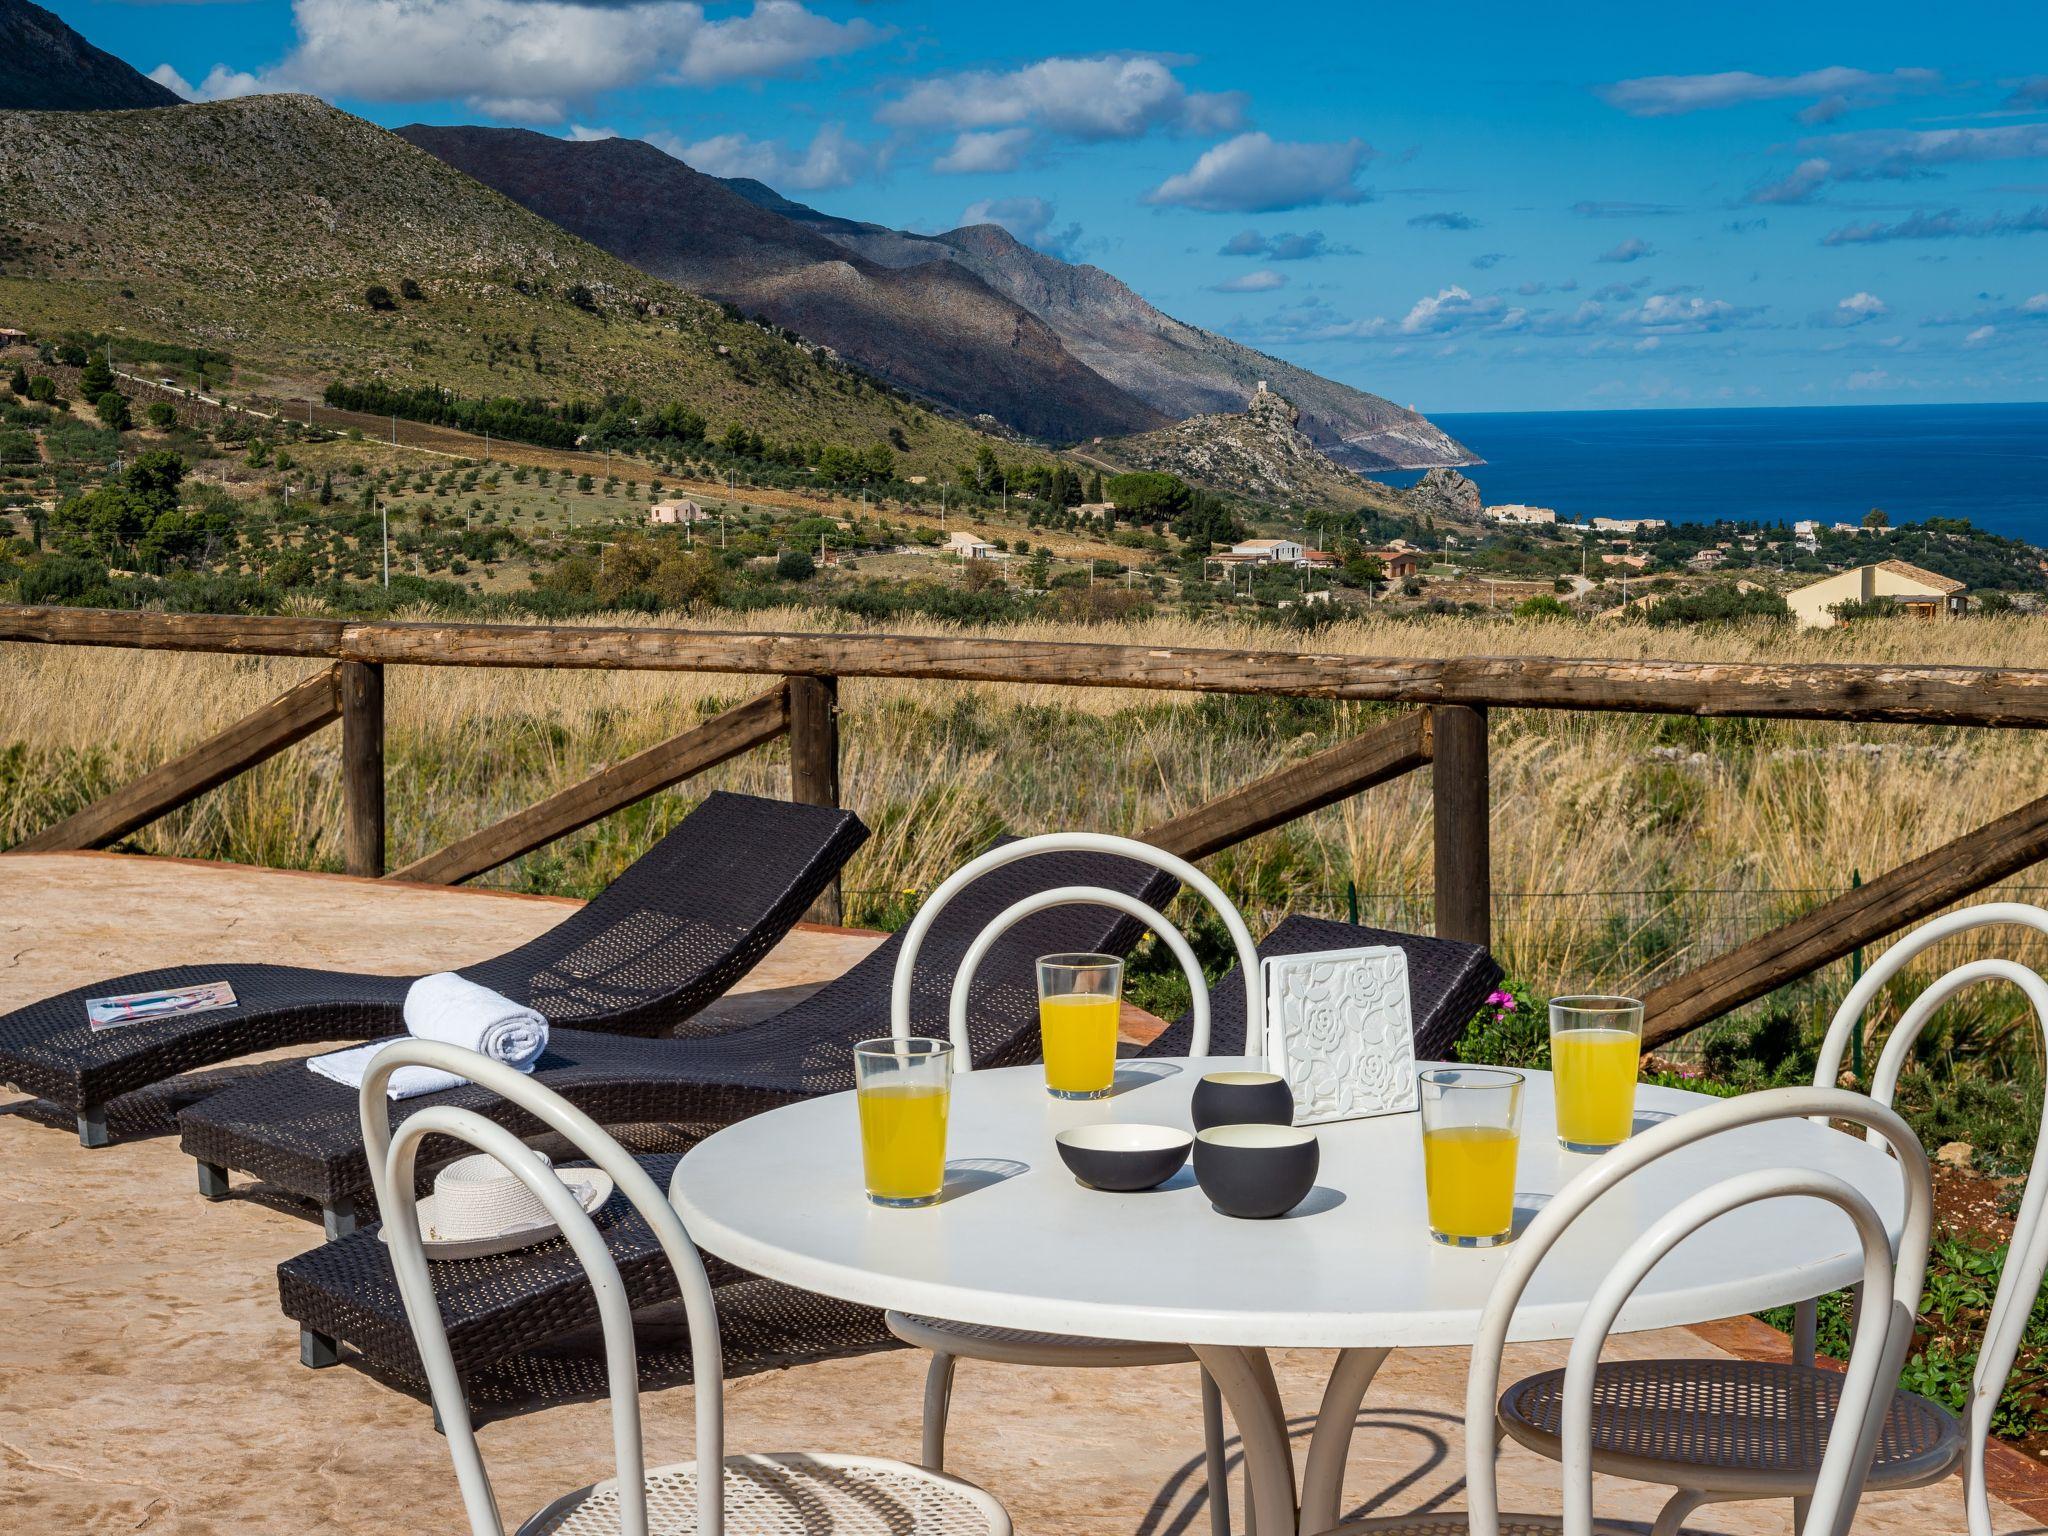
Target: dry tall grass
1598,820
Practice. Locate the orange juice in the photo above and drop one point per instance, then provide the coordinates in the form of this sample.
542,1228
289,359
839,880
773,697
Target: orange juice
1595,1081
903,1140
1469,1171
1078,1031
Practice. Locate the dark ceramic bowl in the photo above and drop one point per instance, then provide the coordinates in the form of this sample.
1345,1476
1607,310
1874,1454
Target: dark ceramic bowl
1242,1098
1123,1158
1256,1170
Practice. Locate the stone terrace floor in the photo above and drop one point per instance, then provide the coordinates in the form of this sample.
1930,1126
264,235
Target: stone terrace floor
149,1383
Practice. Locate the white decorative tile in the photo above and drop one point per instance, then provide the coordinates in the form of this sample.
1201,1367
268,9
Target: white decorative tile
1340,1030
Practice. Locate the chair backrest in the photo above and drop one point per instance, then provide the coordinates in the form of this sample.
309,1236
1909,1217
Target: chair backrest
685,920
2026,1260
1074,842
1883,1333
392,1159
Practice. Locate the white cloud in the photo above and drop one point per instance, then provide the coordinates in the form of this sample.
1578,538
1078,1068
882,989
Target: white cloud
1631,249
1030,219
985,153
1673,314
531,60
1979,336
832,159
1105,96
777,37
580,134
220,84
1255,173
1265,280
1867,378
1857,309
1833,90
1900,154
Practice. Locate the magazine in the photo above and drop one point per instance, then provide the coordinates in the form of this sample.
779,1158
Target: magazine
139,1007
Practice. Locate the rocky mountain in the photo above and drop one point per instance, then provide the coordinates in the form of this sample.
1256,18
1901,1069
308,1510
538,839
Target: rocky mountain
1259,452
47,67
937,330
1174,367
973,319
259,226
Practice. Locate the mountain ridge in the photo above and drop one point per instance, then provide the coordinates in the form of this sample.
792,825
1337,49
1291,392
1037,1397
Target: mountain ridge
1181,369
942,334
260,226
45,66
1073,329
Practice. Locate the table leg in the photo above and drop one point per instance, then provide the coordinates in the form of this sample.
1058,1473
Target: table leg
1322,1480
1245,1378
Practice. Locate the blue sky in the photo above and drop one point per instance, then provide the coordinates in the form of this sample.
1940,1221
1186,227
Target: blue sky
1481,210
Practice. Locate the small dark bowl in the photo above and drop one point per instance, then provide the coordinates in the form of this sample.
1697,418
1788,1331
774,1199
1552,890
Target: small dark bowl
1256,1171
1123,1158
1242,1098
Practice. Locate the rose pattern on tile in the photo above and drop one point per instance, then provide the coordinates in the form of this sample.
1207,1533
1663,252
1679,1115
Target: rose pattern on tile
1341,1032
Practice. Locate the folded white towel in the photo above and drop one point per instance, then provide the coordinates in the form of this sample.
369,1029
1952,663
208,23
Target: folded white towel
347,1068
456,1011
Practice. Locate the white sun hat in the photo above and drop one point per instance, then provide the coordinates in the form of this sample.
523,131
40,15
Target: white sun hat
480,1207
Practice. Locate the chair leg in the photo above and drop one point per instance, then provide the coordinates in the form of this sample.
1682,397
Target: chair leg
1800,1507
1671,1518
339,1218
92,1127
213,1181
938,1402
1212,1457
317,1351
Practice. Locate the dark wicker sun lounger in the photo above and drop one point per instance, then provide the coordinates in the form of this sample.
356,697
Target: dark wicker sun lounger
299,1132
691,916
512,1317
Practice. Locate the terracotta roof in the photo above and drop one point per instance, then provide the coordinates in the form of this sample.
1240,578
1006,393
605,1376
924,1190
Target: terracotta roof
1920,573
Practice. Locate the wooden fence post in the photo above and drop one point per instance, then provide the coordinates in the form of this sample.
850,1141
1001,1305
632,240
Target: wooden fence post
1464,858
362,766
814,764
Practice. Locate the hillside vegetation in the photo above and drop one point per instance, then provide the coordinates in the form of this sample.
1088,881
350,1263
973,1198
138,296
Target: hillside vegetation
259,226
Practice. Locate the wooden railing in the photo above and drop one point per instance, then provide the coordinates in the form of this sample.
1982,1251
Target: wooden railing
1447,729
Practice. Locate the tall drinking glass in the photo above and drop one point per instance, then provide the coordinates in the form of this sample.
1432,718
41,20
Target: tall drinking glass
1079,998
1595,1046
1471,1133
904,1087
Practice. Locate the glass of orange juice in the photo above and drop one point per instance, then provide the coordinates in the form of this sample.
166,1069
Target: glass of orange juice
1079,999
1595,1046
1471,1135
904,1088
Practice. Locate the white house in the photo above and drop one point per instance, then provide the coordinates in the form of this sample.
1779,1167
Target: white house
1521,512
681,512
1920,592
1627,524
968,547
1268,552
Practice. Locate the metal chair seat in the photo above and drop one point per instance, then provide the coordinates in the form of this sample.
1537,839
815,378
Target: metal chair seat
1020,1346
792,1494
1728,1426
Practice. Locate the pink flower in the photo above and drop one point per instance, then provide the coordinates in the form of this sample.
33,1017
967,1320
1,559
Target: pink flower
1504,1001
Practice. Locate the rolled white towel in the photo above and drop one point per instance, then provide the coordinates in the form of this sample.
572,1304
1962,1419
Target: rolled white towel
457,1011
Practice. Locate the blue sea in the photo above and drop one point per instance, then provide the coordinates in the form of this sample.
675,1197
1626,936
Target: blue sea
1987,463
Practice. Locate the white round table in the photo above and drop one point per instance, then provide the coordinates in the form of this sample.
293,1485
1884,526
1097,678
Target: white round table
1016,1242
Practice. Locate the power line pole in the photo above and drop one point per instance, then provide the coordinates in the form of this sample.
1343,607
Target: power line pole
384,518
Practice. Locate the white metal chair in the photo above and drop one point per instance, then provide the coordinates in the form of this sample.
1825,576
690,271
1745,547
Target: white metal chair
1859,1397
950,1342
798,1494
1777,1455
